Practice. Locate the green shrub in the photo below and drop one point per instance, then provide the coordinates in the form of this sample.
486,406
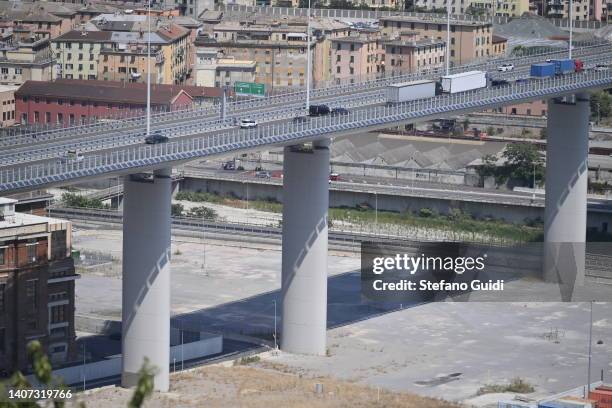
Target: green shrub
425,212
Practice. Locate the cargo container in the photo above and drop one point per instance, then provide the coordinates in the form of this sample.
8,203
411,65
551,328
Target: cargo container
465,81
603,396
516,404
563,66
543,70
568,402
410,91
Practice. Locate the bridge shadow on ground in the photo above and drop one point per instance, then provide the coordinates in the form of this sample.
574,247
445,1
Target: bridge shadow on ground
254,316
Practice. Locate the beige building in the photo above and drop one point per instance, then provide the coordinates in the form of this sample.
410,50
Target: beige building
470,40
560,9
355,57
77,53
409,53
212,71
26,59
278,49
500,45
512,8
7,98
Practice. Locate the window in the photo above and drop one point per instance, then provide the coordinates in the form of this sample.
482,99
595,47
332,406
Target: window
58,314
2,289
71,118
80,46
18,71
60,118
338,69
31,247
36,120
31,294
47,117
4,70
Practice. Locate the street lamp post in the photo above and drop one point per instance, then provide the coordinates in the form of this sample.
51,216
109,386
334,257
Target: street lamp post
590,354
149,71
571,27
275,340
308,62
448,12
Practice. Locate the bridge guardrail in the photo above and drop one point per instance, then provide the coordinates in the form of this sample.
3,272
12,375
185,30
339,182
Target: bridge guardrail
299,96
157,156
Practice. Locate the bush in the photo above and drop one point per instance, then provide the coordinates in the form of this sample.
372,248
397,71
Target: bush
425,212
517,385
76,200
203,212
177,210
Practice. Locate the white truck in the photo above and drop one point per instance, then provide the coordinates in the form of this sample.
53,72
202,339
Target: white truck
410,91
464,81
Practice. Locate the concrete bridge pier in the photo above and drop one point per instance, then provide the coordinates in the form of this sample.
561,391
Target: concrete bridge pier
146,277
304,256
566,191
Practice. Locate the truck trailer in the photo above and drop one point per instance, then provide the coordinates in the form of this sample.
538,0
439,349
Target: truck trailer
543,70
410,91
464,81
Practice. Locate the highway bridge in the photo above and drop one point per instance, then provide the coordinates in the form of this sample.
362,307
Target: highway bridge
30,161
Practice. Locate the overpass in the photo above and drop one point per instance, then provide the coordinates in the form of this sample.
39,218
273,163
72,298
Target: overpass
30,162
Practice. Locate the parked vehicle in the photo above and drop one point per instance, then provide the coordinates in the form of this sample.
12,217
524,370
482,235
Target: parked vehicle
505,67
339,111
229,165
410,91
334,177
156,138
263,174
318,110
247,123
464,81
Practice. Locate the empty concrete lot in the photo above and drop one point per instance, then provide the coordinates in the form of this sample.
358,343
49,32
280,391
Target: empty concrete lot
445,350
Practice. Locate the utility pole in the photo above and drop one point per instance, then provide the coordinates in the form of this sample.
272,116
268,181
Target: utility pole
448,13
308,61
571,26
149,71
590,354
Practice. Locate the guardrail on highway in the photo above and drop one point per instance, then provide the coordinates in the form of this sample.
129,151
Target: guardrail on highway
297,97
141,156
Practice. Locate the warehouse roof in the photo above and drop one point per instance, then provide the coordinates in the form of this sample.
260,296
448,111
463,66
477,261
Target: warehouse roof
111,91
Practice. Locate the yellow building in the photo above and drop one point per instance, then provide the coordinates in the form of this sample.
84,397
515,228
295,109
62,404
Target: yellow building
510,8
77,52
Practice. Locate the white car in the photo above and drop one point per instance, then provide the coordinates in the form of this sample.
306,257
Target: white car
247,123
505,67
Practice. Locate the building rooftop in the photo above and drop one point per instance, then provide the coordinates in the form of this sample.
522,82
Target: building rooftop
359,39
435,20
112,91
85,36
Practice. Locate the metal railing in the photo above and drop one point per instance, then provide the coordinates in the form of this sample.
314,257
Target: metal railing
296,98
133,158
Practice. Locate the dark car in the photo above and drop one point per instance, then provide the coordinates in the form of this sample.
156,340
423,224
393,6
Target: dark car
499,82
300,119
318,110
339,111
156,138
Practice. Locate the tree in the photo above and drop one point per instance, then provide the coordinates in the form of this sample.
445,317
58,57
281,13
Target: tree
489,166
601,104
177,210
466,124
522,159
43,372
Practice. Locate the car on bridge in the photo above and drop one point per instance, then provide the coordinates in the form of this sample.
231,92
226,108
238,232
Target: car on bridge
339,111
318,110
499,82
263,174
505,67
300,119
156,138
71,156
248,123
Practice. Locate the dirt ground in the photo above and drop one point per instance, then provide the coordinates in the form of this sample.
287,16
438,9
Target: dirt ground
264,385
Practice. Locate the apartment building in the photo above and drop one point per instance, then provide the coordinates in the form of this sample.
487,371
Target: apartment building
7,98
407,52
581,9
508,8
500,46
469,40
36,287
278,49
356,56
212,70
173,39
26,58
77,53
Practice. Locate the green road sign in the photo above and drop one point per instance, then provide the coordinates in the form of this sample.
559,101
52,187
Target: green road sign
250,88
